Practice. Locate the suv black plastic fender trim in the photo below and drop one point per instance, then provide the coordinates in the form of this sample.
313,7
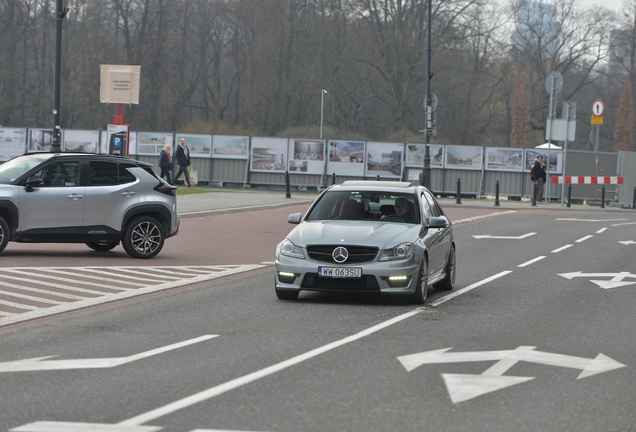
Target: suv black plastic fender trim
9,212
150,210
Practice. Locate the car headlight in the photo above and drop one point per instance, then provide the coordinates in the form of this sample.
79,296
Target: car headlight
290,249
399,252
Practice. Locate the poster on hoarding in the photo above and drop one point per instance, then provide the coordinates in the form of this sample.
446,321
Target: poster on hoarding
12,143
345,158
384,159
82,141
230,147
269,154
306,156
415,155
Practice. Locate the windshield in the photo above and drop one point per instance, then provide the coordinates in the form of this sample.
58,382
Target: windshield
355,205
16,167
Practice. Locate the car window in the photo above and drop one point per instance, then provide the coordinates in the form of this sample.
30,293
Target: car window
426,208
435,210
60,174
16,167
109,173
365,205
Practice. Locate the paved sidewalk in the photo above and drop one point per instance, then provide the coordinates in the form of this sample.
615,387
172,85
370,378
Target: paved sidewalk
220,201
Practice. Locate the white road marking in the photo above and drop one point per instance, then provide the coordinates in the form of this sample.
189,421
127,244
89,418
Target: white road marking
601,230
241,381
468,288
72,292
562,248
628,242
589,220
41,363
616,280
582,239
626,223
470,219
462,387
532,261
44,426
504,237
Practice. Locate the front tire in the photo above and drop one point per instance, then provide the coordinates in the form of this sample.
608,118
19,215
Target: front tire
419,296
448,283
4,234
144,237
102,246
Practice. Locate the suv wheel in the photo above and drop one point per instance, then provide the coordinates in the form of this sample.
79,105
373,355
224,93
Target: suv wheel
102,246
143,237
4,234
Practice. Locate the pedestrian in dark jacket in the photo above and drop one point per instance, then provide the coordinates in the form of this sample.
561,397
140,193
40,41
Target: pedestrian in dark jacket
165,163
182,156
539,176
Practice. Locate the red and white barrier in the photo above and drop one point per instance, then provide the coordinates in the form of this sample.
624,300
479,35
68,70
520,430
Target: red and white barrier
588,180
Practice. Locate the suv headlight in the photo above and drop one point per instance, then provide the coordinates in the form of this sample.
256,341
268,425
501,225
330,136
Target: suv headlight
290,249
399,252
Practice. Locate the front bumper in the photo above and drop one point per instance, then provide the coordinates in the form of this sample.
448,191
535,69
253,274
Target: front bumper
302,274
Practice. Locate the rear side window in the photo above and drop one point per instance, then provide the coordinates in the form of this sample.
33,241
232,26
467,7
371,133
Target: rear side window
108,174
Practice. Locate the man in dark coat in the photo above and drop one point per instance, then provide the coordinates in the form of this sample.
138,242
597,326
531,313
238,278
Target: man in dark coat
539,176
182,156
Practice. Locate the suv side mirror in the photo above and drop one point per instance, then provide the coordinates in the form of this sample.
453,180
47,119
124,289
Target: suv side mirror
33,182
295,218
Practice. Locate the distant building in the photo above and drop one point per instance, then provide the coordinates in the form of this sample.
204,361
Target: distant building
537,28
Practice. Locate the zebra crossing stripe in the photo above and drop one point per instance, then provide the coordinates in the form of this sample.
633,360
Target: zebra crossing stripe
193,274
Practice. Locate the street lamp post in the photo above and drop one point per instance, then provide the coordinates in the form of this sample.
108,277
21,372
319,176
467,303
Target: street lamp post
322,107
60,12
425,178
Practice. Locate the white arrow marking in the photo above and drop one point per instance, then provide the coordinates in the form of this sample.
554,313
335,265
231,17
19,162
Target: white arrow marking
46,426
504,237
462,387
615,282
628,242
37,364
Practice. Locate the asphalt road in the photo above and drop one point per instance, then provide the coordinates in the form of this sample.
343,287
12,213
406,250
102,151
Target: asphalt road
524,343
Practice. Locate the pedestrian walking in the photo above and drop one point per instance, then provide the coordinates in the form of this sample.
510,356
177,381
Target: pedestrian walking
165,163
182,156
539,176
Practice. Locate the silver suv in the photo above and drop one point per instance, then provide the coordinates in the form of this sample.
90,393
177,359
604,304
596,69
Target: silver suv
99,200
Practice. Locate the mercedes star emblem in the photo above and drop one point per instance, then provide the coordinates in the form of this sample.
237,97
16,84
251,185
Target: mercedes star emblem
340,254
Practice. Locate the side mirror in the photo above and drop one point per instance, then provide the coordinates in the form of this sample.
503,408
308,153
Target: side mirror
294,218
437,222
33,182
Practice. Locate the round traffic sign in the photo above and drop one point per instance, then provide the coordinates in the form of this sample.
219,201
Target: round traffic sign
553,82
597,108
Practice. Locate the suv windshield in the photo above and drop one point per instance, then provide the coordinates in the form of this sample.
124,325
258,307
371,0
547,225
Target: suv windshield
357,205
14,168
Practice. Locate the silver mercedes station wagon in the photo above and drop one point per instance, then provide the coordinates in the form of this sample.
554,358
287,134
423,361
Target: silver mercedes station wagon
368,236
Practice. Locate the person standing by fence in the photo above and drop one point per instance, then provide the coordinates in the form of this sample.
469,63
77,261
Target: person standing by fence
539,176
182,156
165,163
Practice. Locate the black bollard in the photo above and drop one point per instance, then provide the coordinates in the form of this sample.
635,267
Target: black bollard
497,194
333,178
288,192
378,177
603,197
569,195
534,195
459,192
634,201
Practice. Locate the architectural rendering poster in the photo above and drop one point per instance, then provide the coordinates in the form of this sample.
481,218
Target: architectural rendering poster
40,140
415,155
306,156
269,154
132,143
384,159
346,158
463,157
151,143
230,147
83,141
555,160
12,143
199,145
504,159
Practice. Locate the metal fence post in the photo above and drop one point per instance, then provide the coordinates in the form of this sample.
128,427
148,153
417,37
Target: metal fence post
497,194
603,197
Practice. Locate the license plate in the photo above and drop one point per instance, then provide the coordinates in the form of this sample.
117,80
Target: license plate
340,272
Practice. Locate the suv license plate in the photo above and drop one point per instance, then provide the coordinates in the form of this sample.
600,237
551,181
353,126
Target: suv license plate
338,272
